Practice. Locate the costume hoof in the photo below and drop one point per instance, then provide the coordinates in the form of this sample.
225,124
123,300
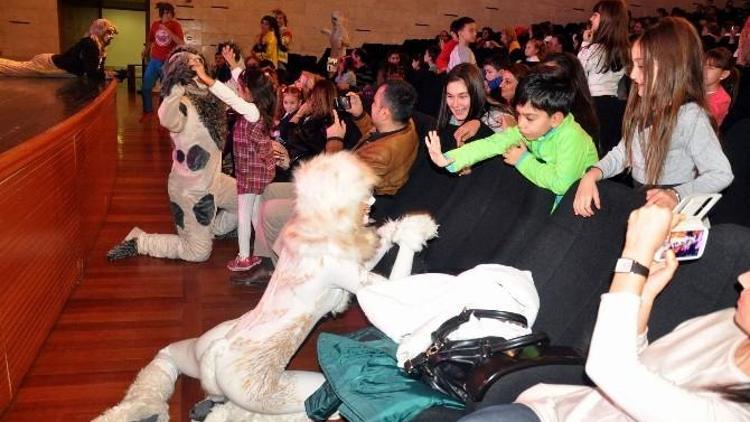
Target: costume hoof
124,250
136,411
152,418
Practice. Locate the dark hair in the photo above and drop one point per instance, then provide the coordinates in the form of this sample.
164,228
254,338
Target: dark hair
498,60
400,98
233,46
722,58
433,51
164,7
271,21
612,35
567,65
261,86
546,91
458,24
470,75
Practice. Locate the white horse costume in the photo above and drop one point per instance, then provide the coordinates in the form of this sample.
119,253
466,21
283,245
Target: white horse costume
326,253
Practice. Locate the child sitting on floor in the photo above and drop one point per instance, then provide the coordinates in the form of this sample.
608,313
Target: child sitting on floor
548,146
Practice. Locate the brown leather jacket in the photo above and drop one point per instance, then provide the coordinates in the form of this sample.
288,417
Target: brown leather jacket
390,155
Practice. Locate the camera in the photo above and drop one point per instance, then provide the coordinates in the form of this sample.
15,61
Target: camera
343,103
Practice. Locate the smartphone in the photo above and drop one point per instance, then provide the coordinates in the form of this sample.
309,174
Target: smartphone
343,102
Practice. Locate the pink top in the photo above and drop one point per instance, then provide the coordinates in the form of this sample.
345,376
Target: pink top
718,104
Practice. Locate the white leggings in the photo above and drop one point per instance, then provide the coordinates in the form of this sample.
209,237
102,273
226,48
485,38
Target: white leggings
247,209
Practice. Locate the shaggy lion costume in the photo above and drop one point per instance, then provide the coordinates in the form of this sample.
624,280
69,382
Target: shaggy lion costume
327,254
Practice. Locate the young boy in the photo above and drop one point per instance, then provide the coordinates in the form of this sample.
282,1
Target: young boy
465,31
548,146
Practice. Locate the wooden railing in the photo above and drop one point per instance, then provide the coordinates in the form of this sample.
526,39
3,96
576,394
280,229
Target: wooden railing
55,190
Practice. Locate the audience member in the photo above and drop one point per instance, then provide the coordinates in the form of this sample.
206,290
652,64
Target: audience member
268,40
345,78
604,59
164,35
698,372
511,76
493,75
465,30
548,146
719,74
286,37
567,66
669,143
534,51
389,137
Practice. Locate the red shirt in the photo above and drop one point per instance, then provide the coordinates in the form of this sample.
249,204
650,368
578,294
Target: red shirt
445,55
718,103
161,42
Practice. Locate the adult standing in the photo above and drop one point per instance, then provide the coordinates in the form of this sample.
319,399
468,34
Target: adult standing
604,56
286,37
164,35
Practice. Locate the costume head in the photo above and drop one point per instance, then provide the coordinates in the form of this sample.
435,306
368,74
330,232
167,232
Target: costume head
332,192
211,110
103,29
337,18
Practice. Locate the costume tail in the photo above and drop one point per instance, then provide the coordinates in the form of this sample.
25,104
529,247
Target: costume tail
148,396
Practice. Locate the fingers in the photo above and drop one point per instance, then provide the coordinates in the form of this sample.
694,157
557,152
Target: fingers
336,118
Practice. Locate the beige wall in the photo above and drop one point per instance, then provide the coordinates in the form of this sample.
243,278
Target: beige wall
37,32
388,21
382,21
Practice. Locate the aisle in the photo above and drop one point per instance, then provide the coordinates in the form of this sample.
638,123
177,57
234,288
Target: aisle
122,313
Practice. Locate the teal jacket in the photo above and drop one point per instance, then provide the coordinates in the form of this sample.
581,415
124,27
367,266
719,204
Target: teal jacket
554,161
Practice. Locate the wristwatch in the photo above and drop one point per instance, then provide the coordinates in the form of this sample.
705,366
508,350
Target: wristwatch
627,265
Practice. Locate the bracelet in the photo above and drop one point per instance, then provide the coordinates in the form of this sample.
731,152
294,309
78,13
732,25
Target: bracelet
335,138
677,194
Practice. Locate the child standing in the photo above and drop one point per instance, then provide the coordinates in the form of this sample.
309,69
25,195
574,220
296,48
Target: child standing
548,146
254,164
719,76
669,144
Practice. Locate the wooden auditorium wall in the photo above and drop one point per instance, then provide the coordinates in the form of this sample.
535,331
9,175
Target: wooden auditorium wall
54,195
29,27
208,22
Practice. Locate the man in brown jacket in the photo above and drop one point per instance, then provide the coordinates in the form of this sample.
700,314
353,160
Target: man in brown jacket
389,138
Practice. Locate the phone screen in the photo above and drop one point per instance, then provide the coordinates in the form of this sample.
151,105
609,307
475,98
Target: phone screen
688,244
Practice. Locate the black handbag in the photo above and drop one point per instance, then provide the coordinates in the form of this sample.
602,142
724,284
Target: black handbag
465,369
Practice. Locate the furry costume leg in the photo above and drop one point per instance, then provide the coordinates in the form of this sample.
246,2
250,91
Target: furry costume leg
148,395
40,65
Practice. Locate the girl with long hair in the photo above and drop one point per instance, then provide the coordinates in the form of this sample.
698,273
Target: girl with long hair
604,59
669,144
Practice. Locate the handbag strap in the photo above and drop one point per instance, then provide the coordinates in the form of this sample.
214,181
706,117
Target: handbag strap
452,324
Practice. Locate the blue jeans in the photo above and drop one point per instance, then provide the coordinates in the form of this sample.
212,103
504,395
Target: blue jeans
502,413
153,72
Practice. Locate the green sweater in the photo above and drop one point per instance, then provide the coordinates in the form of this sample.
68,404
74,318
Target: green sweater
554,161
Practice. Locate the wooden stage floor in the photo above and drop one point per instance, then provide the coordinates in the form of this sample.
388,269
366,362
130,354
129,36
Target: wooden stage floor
122,313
